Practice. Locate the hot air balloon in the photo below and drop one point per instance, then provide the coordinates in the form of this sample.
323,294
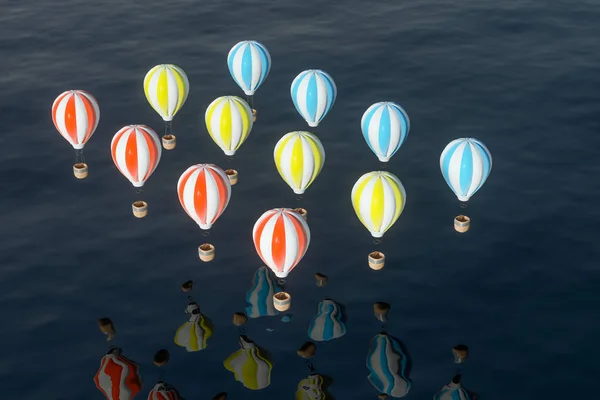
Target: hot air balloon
299,158
378,199
328,324
166,87
204,192
76,114
164,391
453,391
249,64
385,126
313,93
118,377
229,122
136,152
466,164
388,366
281,237
249,365
194,334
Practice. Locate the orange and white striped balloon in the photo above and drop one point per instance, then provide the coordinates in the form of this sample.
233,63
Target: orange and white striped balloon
136,151
281,238
76,114
204,192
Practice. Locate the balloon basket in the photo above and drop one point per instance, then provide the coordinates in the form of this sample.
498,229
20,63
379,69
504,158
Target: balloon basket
376,260
303,213
460,352
232,175
107,327
140,209
169,142
462,223
321,279
381,310
161,358
307,351
253,115
206,252
382,396
80,170
282,301
239,319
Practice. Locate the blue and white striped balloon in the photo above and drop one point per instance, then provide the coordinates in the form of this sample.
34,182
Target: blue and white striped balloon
466,164
249,63
313,93
385,126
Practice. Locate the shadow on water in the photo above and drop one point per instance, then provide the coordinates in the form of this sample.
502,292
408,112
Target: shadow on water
327,382
409,363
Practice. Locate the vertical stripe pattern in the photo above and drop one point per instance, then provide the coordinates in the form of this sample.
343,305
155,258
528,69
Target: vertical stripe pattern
136,152
249,366
385,126
118,377
204,192
313,93
166,87
249,64
260,295
453,391
281,238
328,323
229,122
387,364
378,199
164,391
299,158
76,114
466,164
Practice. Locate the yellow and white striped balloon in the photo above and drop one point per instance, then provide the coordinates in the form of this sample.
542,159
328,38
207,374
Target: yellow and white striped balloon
166,87
378,199
229,122
299,157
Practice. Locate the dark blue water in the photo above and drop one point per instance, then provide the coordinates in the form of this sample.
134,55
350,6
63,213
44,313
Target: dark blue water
519,288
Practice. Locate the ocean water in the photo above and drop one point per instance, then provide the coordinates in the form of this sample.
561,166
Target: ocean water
519,288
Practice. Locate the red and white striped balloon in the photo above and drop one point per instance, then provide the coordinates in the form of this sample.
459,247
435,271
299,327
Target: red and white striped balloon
164,391
204,192
76,114
281,238
136,151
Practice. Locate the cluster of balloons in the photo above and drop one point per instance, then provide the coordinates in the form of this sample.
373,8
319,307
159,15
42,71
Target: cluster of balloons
281,235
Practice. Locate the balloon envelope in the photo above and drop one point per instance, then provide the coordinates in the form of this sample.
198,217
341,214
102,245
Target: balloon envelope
136,152
204,192
466,164
378,199
229,122
313,93
76,114
249,64
385,127
281,238
299,158
166,87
